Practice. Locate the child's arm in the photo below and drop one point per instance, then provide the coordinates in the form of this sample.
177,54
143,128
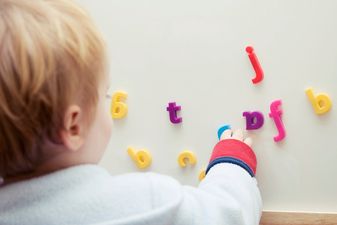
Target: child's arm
228,195
229,192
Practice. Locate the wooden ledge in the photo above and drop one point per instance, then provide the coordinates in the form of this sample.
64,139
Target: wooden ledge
295,218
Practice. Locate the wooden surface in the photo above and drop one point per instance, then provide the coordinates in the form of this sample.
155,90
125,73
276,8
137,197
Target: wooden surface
291,218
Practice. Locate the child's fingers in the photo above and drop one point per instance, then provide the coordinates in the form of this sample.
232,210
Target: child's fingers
226,134
248,141
238,135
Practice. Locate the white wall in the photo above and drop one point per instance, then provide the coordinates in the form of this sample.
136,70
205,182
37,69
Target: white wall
193,52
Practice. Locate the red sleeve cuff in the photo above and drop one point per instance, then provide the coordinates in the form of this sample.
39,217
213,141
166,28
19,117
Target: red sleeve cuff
235,149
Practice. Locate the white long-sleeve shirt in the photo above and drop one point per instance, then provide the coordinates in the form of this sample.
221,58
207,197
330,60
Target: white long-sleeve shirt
88,194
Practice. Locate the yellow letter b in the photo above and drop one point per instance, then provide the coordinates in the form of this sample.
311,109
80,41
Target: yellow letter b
320,102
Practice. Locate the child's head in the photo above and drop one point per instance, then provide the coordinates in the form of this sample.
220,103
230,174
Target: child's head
52,76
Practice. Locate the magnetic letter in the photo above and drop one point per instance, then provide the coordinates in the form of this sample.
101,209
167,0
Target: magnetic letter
172,109
321,102
223,129
142,158
186,156
256,65
118,108
275,114
254,120
202,174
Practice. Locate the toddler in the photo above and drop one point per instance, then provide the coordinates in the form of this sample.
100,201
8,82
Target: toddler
55,126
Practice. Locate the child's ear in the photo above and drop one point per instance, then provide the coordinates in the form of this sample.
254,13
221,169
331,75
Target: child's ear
73,127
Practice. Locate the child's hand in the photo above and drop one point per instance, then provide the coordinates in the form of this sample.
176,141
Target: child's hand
238,135
233,148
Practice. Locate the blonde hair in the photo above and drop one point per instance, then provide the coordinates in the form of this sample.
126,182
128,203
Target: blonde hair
51,56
